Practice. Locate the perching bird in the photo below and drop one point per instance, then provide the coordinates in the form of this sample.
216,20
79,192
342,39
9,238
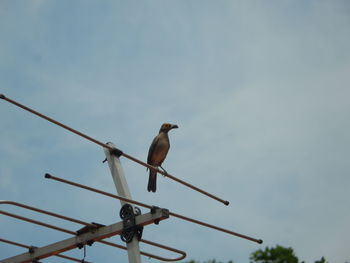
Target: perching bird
157,153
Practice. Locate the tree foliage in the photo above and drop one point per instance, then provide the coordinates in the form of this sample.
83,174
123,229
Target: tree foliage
322,260
209,261
278,254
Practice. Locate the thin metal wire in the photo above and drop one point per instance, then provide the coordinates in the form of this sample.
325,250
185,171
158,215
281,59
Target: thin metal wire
28,247
180,252
111,149
148,206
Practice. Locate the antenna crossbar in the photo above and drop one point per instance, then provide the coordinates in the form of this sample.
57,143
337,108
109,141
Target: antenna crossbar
181,253
259,241
29,247
112,149
85,238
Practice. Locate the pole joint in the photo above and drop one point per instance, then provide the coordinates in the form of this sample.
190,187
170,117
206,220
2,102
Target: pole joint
115,151
31,249
130,229
165,213
89,228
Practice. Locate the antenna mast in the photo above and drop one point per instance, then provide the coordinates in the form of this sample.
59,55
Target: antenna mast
123,190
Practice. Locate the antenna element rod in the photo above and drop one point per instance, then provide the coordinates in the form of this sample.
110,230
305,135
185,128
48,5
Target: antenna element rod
259,241
112,149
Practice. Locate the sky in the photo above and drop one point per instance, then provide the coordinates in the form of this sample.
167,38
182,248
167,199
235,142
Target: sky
259,90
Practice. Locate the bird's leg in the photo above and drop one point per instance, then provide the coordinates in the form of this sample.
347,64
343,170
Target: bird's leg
166,173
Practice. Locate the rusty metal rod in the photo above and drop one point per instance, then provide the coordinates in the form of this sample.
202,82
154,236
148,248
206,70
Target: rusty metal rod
225,202
259,241
36,222
54,121
13,243
28,247
49,176
182,253
6,202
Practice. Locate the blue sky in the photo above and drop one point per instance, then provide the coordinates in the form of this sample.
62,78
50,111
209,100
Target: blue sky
259,89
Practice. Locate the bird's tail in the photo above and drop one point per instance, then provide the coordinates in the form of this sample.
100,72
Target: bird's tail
152,181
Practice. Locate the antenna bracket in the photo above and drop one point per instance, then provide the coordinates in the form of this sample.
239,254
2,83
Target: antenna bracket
89,228
130,229
116,152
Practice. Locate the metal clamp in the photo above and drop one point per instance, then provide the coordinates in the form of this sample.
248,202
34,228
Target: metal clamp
130,229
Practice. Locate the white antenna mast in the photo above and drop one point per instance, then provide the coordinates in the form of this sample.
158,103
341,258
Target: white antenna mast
123,190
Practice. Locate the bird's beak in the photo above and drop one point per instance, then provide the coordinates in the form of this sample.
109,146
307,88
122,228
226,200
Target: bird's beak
174,126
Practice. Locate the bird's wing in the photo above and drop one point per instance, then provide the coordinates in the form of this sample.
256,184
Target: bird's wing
151,149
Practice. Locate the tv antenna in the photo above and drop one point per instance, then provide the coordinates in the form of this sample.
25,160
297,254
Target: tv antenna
133,221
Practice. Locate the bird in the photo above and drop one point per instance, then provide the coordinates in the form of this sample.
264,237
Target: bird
157,153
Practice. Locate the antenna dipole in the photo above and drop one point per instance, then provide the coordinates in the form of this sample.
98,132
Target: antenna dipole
114,150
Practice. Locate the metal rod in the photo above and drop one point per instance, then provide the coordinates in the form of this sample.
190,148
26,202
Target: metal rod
225,202
37,222
13,243
28,247
112,149
180,252
259,241
6,202
53,121
49,176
